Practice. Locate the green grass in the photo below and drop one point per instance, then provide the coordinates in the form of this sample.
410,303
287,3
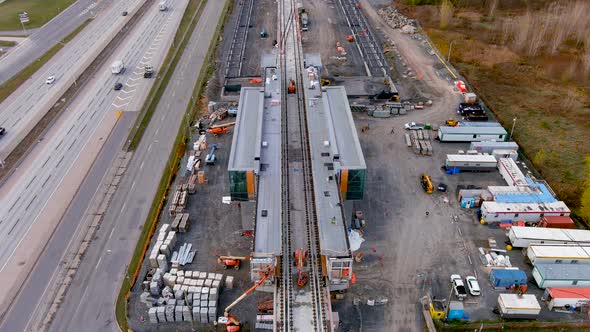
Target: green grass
40,12
7,43
12,84
171,167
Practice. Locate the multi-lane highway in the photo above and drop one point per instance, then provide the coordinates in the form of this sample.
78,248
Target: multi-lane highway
47,36
34,198
20,112
91,297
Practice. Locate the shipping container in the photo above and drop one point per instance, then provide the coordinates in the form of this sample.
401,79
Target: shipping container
518,306
557,222
456,310
505,278
471,134
467,162
511,173
522,237
562,275
558,254
564,298
490,146
494,212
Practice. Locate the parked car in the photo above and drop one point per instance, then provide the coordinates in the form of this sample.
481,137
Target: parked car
50,79
442,187
2,131
118,86
473,285
125,13
413,126
458,287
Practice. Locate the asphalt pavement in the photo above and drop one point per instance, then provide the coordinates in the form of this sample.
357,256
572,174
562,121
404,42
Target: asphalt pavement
40,40
21,111
92,295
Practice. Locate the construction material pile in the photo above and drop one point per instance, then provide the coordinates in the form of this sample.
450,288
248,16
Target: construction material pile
175,295
397,20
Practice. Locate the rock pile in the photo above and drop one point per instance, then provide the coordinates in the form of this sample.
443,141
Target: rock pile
395,19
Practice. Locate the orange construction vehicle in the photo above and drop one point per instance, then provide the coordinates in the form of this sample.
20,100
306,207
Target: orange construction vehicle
291,89
230,262
218,131
302,276
233,323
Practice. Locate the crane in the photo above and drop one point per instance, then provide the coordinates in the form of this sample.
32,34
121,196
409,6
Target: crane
233,323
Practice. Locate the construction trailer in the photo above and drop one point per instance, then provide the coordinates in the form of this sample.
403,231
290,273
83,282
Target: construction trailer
566,298
522,237
506,278
557,222
495,212
471,134
558,254
468,162
498,154
522,194
562,275
523,306
489,146
471,198
511,173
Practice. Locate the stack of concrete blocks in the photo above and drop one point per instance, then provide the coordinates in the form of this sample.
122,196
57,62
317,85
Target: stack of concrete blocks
154,258
168,244
156,283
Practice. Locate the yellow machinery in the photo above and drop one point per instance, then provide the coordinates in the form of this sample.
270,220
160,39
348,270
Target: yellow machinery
426,183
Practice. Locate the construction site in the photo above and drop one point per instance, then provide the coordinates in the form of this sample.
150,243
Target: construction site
319,193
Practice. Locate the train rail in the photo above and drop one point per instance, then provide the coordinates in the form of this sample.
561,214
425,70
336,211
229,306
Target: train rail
235,56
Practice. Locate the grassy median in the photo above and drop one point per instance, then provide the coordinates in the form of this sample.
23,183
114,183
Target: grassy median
40,12
17,80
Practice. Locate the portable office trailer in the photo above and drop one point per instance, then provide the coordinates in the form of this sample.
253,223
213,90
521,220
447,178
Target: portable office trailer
562,275
490,146
498,153
558,254
557,222
505,278
522,237
518,306
564,298
493,212
471,134
511,173
467,162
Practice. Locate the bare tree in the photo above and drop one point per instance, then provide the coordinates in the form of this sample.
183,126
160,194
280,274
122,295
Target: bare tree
492,8
446,13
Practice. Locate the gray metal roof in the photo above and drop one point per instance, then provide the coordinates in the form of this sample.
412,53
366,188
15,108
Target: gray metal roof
246,141
473,130
268,229
329,120
564,271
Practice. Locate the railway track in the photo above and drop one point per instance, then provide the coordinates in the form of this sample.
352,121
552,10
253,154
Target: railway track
235,56
375,62
291,65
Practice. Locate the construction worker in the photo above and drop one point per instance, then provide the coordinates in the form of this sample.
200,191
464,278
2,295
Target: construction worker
392,132
427,213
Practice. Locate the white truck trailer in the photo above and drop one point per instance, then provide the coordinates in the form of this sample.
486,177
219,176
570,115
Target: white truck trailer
470,162
522,237
117,67
518,306
558,254
471,134
494,212
511,173
489,146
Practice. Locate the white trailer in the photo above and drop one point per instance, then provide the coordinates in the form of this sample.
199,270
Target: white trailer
471,134
558,254
511,173
490,146
499,154
470,162
518,306
562,275
492,212
117,67
562,298
522,237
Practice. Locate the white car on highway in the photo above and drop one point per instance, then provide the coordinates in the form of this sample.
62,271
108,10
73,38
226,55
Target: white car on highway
473,285
50,79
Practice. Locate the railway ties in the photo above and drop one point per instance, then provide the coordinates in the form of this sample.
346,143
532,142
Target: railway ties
235,57
375,62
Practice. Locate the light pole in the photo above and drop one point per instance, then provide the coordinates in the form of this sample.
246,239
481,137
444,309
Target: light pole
512,130
450,48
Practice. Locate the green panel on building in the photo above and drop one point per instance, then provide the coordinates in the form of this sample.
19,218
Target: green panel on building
238,186
356,184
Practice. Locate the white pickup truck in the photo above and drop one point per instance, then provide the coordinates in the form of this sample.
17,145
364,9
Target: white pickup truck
458,287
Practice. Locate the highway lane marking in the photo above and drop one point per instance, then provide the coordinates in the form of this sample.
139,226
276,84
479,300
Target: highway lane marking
157,131
99,260
120,106
136,73
45,182
141,166
69,131
13,226
45,163
131,86
134,79
112,231
59,162
123,208
123,99
71,146
149,147
127,92
31,202
59,144
132,185
30,182
13,204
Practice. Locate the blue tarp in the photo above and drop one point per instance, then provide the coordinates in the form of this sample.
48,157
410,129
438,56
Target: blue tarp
542,196
507,278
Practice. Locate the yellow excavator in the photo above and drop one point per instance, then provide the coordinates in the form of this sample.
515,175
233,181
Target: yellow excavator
426,183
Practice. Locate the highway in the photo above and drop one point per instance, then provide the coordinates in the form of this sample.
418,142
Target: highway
39,192
31,101
91,297
48,35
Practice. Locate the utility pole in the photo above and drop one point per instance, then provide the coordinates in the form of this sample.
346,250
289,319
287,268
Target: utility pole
513,125
450,48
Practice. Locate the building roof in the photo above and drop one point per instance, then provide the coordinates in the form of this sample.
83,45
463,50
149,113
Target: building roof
527,301
470,158
557,234
563,271
559,252
524,208
246,141
510,167
473,130
502,145
569,293
509,273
